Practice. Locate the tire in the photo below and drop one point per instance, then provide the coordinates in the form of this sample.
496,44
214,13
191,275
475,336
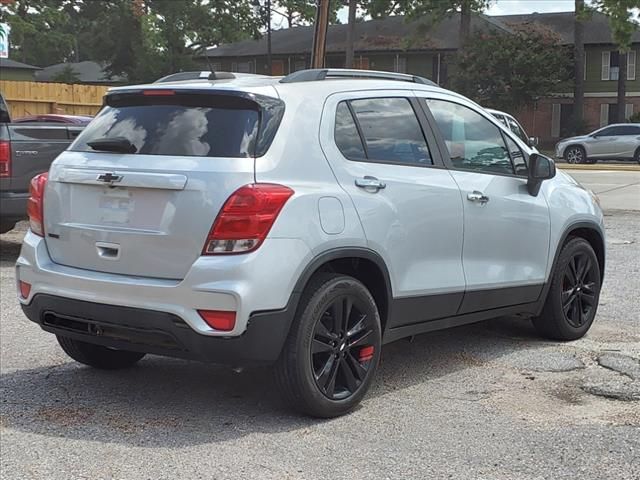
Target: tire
571,306
98,356
636,157
315,355
575,154
6,226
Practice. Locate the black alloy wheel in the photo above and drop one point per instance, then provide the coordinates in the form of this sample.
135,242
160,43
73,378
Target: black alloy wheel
574,292
342,348
579,293
331,354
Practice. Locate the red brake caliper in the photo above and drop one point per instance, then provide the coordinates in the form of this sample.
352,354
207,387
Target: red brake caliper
366,353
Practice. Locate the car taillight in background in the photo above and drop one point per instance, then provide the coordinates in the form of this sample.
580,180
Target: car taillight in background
35,204
5,158
246,218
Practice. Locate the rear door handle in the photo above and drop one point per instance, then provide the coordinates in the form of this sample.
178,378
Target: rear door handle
371,183
477,197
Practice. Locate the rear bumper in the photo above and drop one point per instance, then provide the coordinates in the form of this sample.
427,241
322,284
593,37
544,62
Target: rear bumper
160,333
261,281
13,205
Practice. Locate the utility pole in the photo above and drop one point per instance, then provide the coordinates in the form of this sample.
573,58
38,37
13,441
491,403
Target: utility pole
320,34
351,33
269,61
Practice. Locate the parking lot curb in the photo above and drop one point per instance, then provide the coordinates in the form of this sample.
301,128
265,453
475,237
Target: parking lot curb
604,167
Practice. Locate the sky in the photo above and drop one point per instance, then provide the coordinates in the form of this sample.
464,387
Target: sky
506,7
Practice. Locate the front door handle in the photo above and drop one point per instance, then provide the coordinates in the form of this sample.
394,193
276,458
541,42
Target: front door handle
477,197
370,183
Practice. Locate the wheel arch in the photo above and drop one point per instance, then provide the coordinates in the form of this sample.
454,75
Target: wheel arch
361,263
592,233
570,146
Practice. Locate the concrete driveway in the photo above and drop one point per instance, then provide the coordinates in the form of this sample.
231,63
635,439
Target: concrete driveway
617,189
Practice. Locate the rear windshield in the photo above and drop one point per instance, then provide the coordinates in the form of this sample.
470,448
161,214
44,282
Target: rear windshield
184,125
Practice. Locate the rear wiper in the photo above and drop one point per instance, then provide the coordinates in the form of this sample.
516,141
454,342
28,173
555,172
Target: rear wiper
113,144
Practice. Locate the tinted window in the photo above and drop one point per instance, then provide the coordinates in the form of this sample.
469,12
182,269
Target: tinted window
474,142
517,129
391,131
190,125
346,134
629,130
501,118
607,132
517,157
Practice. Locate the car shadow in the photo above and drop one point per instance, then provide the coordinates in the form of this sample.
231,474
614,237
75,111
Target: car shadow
171,403
9,250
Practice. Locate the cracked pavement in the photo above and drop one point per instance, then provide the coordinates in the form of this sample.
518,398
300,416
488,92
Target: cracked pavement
485,401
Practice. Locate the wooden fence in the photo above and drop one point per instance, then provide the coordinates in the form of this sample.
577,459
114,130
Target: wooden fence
33,98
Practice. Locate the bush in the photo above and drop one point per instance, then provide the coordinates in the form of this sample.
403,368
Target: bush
635,118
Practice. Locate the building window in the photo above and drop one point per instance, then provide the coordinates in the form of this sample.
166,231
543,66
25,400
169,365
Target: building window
611,65
299,65
216,67
244,67
401,64
631,65
555,120
361,63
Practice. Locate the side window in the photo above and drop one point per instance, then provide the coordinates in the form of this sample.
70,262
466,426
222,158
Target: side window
391,131
501,118
346,134
517,157
517,130
629,130
607,132
474,142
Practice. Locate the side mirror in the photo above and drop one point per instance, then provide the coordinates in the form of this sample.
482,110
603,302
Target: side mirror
533,141
541,168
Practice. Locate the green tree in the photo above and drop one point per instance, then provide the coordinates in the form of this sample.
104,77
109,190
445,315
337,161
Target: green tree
39,31
623,25
509,71
430,11
67,75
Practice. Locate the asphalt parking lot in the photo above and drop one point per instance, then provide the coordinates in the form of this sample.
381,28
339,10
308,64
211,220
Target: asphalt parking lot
486,401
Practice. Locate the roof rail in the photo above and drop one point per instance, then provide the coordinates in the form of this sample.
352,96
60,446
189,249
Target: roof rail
318,74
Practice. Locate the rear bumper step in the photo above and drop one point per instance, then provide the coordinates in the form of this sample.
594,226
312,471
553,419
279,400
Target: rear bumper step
159,333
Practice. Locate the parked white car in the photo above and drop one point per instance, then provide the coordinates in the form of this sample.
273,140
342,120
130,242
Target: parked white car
615,142
512,124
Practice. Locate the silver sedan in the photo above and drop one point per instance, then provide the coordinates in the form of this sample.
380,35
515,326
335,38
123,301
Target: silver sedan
614,142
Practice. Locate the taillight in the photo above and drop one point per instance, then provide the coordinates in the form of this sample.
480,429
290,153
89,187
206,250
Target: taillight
5,158
220,320
246,218
25,289
35,204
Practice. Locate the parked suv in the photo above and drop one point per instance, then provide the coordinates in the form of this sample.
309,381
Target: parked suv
301,222
615,142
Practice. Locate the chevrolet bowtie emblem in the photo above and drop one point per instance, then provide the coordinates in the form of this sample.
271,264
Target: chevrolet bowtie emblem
109,178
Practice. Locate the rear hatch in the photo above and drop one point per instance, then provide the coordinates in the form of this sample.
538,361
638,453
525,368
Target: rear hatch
139,189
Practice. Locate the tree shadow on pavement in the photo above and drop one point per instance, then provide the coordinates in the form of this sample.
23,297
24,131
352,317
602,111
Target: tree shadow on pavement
173,403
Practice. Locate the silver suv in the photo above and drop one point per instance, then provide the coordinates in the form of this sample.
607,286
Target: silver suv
302,222
615,142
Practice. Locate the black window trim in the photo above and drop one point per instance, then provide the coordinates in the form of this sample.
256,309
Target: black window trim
429,137
442,145
356,122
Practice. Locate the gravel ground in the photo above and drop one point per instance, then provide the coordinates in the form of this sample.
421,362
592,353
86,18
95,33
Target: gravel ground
487,401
